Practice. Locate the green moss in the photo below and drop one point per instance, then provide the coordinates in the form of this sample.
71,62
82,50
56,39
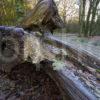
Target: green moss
98,70
49,42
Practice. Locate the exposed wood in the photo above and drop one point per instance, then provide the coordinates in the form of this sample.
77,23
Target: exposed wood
81,56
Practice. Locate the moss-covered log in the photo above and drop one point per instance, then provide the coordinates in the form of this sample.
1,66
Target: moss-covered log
17,46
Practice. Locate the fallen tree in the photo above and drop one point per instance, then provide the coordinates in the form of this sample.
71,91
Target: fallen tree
30,49
18,46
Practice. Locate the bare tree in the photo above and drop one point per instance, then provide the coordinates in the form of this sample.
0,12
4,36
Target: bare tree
67,10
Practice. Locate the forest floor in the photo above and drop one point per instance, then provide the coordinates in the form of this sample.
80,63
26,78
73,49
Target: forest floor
91,44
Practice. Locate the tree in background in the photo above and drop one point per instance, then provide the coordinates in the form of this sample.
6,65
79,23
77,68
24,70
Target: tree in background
20,7
67,9
82,16
94,14
69,14
88,13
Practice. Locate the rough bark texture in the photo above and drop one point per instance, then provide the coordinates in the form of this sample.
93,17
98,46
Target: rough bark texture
84,57
43,17
32,45
11,47
18,46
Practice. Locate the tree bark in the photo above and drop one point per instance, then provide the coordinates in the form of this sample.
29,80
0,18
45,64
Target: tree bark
87,24
92,24
82,16
17,46
44,16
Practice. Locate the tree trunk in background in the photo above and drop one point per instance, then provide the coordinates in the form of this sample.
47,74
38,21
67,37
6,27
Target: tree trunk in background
64,11
87,25
94,11
82,16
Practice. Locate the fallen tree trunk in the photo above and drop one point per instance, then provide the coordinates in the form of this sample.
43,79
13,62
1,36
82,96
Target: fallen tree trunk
67,85
28,50
84,57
